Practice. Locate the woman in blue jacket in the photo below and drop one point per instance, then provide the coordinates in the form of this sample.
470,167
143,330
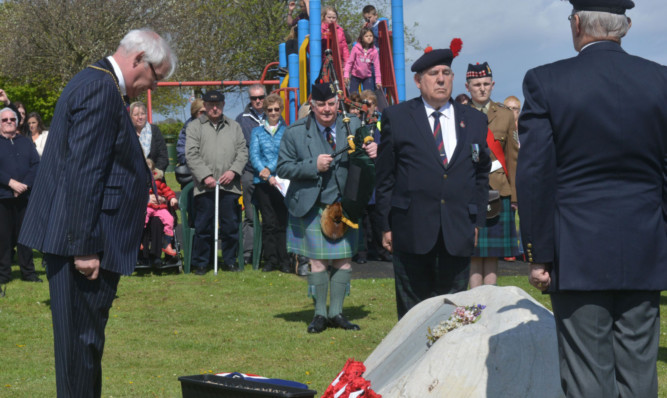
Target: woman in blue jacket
264,147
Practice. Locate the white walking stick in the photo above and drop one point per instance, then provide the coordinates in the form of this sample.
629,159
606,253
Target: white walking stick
215,232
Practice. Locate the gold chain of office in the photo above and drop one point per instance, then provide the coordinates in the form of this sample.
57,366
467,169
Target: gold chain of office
114,80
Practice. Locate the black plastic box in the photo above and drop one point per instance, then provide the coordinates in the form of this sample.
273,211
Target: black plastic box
212,386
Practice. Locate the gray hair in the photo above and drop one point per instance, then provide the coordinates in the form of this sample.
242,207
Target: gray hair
156,49
257,87
137,104
12,111
602,25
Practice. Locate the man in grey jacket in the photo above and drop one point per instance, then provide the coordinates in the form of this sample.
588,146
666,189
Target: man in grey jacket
216,152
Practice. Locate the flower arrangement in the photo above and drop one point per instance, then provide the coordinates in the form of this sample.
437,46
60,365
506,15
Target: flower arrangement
463,315
350,383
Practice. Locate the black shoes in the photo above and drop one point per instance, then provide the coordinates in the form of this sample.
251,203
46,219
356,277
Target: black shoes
286,269
233,268
318,325
32,278
200,271
339,321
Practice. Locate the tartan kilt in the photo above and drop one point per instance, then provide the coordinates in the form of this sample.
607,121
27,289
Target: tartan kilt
304,236
499,237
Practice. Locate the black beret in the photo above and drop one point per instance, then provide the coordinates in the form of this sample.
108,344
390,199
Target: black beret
443,56
213,96
476,71
323,91
612,6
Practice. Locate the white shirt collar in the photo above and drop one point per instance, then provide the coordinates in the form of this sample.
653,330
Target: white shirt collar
119,74
447,110
590,44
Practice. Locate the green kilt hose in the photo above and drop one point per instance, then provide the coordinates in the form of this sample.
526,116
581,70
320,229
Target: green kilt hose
499,238
305,237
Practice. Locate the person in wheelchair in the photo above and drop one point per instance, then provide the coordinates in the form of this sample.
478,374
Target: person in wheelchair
158,206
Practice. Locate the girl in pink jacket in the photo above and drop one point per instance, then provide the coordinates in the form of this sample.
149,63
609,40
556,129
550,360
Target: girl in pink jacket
363,64
329,16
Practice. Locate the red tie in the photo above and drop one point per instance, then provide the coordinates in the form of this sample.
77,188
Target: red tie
437,135
329,136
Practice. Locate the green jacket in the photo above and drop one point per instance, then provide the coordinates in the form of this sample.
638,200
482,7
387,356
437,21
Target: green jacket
211,151
302,143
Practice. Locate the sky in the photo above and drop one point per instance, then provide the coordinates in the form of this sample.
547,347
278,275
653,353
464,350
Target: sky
516,35
512,36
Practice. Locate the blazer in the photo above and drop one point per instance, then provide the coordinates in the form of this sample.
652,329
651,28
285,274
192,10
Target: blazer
91,190
302,143
591,174
416,195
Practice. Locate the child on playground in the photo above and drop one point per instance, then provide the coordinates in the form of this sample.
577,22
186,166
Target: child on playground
363,66
329,16
371,18
157,207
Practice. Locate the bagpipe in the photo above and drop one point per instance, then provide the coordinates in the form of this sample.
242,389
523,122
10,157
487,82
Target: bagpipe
360,183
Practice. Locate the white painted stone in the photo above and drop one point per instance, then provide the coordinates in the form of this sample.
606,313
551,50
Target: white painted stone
511,351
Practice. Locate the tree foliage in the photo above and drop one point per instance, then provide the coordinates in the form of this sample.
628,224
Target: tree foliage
45,42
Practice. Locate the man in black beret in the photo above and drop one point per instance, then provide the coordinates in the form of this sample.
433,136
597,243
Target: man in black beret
432,183
316,181
592,199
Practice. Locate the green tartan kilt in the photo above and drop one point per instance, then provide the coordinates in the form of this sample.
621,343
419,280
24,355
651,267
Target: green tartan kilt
304,236
499,237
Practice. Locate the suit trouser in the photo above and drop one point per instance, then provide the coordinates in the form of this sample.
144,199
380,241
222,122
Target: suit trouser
12,212
80,311
229,213
422,276
271,204
608,342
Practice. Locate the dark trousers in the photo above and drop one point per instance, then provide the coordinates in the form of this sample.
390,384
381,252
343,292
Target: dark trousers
271,204
248,214
422,276
80,311
12,212
229,215
367,83
608,342
372,233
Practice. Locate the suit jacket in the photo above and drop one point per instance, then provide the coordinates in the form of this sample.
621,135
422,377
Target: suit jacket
302,143
91,190
501,124
416,195
592,172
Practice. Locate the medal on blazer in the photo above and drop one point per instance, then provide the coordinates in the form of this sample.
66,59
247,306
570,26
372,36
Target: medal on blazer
475,152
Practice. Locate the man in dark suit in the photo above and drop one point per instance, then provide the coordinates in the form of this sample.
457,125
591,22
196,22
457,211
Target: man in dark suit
432,184
86,211
592,201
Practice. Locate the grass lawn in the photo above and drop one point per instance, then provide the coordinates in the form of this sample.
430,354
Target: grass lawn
166,326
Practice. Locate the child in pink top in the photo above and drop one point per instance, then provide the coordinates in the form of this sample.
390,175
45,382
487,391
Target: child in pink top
363,64
329,16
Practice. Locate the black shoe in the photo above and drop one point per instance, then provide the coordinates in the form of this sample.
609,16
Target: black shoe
233,268
361,260
268,268
286,269
32,278
339,321
318,325
200,271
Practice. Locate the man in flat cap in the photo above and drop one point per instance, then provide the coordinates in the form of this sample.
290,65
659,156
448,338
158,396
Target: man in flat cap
498,238
216,152
593,203
432,184
317,179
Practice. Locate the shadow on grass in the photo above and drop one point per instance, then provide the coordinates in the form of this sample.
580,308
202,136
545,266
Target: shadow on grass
305,316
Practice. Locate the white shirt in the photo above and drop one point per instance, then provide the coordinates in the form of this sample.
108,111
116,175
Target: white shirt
447,124
119,75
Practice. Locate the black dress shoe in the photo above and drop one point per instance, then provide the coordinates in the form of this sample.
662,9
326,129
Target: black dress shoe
318,324
233,268
268,268
339,321
32,278
200,271
361,260
286,269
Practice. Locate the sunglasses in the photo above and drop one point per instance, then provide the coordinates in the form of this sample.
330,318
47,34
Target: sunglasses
273,110
9,119
257,97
